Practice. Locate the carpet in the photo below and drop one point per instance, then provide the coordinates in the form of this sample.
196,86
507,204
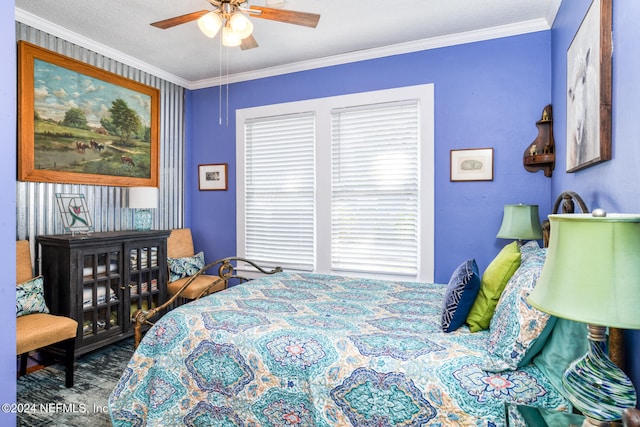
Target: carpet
45,401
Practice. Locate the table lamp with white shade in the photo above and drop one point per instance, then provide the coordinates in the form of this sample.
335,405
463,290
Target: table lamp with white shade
142,200
592,275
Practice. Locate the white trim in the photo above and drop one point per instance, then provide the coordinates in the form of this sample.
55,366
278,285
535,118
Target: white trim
524,27
34,21
552,11
381,52
323,107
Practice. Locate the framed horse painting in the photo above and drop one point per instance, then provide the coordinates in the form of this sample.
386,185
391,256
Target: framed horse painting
83,125
589,89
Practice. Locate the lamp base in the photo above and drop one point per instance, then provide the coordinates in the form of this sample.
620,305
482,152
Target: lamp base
588,422
142,219
596,386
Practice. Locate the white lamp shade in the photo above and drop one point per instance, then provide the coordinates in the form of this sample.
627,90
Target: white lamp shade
210,24
229,37
241,25
143,198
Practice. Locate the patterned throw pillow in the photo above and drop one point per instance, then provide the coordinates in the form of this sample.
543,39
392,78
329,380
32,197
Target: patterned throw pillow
30,297
185,267
517,329
460,294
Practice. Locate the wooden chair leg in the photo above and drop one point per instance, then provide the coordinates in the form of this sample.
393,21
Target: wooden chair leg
69,356
23,363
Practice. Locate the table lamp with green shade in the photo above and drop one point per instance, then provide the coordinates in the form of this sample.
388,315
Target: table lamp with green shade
520,222
592,275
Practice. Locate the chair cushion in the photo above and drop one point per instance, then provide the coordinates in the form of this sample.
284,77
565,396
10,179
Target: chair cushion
24,270
196,287
30,297
39,330
185,267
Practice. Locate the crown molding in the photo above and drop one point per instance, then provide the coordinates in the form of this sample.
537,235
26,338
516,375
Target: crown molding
525,27
397,49
552,11
56,30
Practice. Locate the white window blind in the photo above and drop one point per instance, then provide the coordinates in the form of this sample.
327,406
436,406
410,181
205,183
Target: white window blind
279,191
375,183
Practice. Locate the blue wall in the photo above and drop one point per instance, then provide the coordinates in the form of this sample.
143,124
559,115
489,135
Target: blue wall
8,119
612,185
487,94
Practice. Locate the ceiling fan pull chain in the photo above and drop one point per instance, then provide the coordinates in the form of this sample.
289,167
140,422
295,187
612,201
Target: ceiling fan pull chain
227,78
220,81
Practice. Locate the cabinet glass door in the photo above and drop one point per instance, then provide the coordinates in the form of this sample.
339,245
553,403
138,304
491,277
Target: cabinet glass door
101,293
144,278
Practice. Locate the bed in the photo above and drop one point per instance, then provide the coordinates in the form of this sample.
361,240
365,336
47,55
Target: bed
298,349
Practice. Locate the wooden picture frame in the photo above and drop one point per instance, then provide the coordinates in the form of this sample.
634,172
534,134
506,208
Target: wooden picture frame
589,89
80,124
213,177
472,164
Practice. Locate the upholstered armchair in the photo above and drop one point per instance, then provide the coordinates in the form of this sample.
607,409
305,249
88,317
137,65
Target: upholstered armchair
35,327
183,261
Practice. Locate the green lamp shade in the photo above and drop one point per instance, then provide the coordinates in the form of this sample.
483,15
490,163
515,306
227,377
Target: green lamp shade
520,222
592,270
592,275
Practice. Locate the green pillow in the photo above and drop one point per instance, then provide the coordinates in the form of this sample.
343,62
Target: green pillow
493,282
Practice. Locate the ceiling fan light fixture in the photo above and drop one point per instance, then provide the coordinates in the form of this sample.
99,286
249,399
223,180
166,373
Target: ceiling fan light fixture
210,24
229,37
241,25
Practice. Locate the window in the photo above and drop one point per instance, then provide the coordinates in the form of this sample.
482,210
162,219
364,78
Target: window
339,185
279,190
374,188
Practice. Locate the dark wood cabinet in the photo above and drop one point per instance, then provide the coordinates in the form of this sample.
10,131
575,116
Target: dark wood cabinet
100,279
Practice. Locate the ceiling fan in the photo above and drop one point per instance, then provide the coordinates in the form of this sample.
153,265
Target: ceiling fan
231,16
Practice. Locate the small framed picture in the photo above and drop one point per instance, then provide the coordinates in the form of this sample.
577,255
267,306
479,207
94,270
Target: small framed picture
473,164
212,177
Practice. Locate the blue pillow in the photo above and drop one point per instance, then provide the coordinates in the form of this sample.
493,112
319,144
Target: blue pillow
30,297
461,292
185,267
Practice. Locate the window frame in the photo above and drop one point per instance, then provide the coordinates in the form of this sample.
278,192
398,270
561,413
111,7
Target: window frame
322,108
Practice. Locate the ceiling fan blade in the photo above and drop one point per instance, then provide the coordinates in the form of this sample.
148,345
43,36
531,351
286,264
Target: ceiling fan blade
288,16
177,20
248,43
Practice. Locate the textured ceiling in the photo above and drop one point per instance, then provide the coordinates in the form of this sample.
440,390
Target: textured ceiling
345,28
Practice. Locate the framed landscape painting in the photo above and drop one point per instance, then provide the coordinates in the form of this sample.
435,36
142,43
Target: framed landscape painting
83,125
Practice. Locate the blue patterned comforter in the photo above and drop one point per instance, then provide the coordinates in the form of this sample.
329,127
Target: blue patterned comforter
315,350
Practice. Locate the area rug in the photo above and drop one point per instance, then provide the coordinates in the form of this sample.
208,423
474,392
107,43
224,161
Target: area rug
43,400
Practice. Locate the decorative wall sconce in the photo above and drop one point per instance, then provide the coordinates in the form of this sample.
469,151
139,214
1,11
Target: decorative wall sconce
540,154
